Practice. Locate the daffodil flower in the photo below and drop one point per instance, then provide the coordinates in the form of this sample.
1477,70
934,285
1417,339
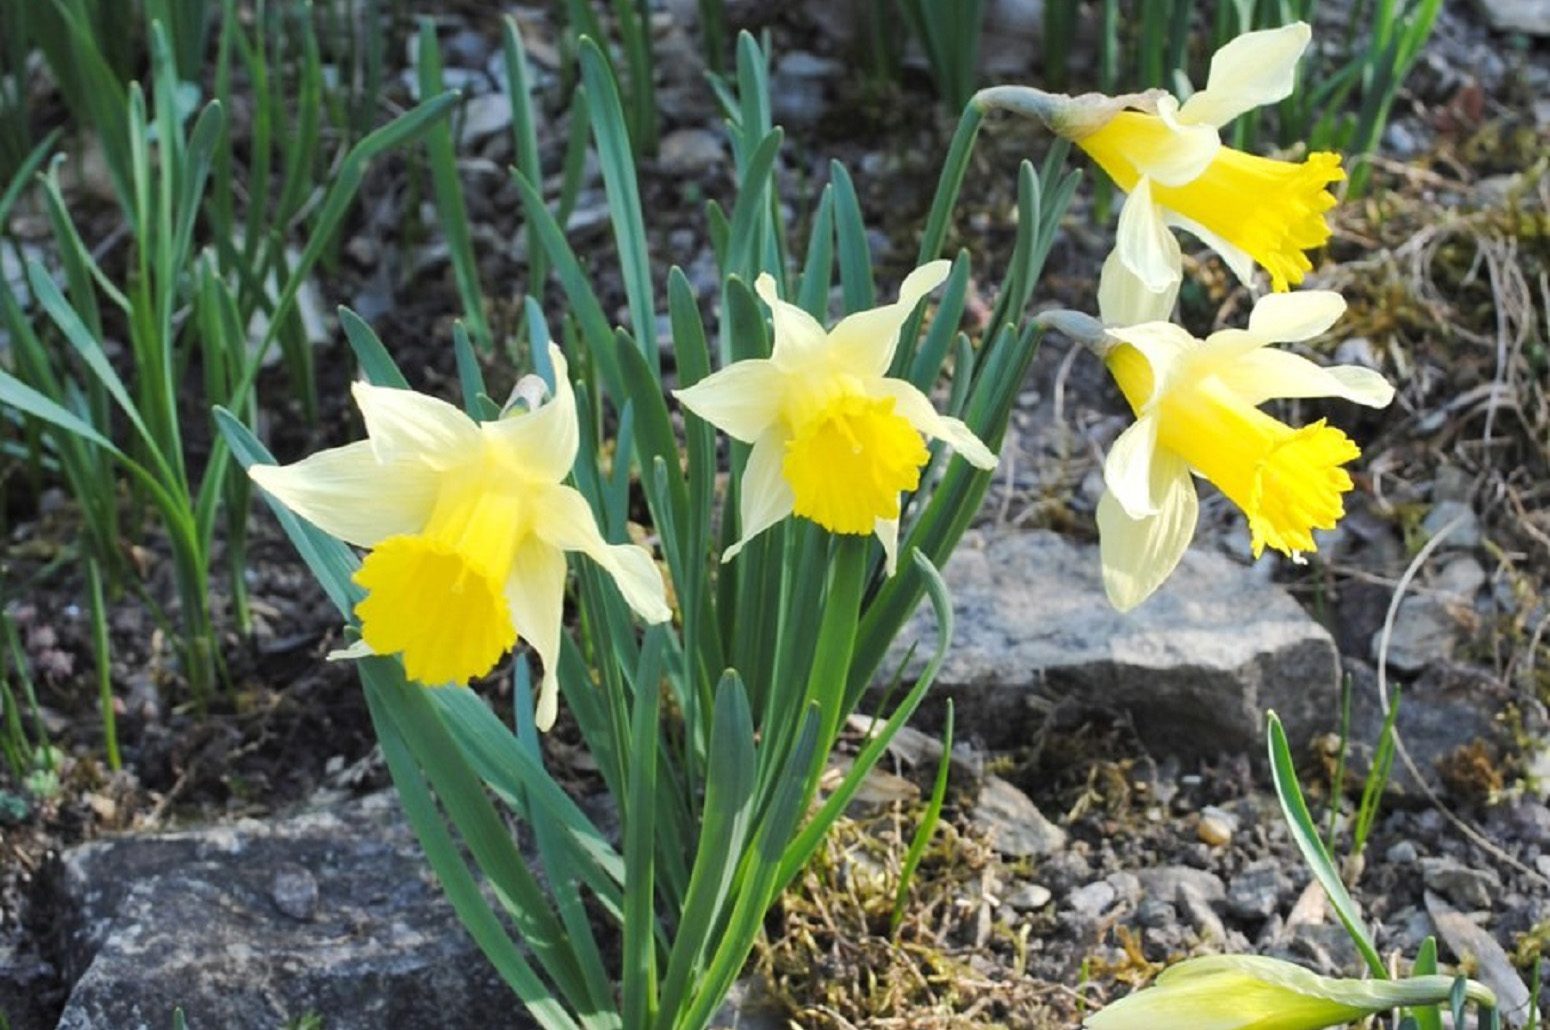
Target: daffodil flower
1250,992
1197,411
1168,156
466,527
834,439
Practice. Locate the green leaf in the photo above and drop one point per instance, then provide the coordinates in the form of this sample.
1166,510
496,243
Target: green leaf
618,165
1306,834
448,192
927,827
23,397
470,377
640,840
376,363
802,848
451,869
750,213
1426,1017
524,130
87,346
761,876
729,785
855,252
818,269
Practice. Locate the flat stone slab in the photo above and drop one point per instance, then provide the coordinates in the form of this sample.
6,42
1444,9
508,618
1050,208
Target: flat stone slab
1196,666
251,924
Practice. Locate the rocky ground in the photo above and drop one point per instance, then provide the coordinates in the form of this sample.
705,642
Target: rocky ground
1108,809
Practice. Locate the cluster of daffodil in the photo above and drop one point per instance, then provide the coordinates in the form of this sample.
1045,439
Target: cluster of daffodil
466,519
1197,402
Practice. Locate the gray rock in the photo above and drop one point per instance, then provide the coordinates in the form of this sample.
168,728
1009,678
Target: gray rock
1197,665
1493,967
1400,853
1127,887
1201,915
1531,17
1092,900
1470,888
484,116
1155,914
1425,633
1255,893
750,1006
689,151
295,892
1406,929
1462,577
29,988
1445,708
207,919
1443,514
1014,823
1164,883
799,85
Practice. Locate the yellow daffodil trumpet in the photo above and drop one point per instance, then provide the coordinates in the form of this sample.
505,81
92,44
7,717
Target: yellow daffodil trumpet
835,440
1250,992
1197,413
1168,156
466,526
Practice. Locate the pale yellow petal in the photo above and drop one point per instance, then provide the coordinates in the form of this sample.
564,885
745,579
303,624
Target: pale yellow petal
1124,299
541,442
1138,555
765,497
405,424
798,336
1253,70
535,593
563,519
1127,471
354,652
1165,346
887,533
742,400
864,343
1239,261
1267,373
1145,244
916,409
1294,317
347,493
1168,150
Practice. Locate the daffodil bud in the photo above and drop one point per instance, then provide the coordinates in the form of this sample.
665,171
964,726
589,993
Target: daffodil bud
1250,992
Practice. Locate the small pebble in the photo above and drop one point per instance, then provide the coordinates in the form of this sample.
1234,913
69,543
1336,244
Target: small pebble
1213,830
1029,897
295,892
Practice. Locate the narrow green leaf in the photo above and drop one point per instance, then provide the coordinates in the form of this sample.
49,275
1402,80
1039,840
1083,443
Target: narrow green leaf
1426,1017
618,165
447,189
640,831
928,823
23,397
376,363
1306,834
855,251
729,784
